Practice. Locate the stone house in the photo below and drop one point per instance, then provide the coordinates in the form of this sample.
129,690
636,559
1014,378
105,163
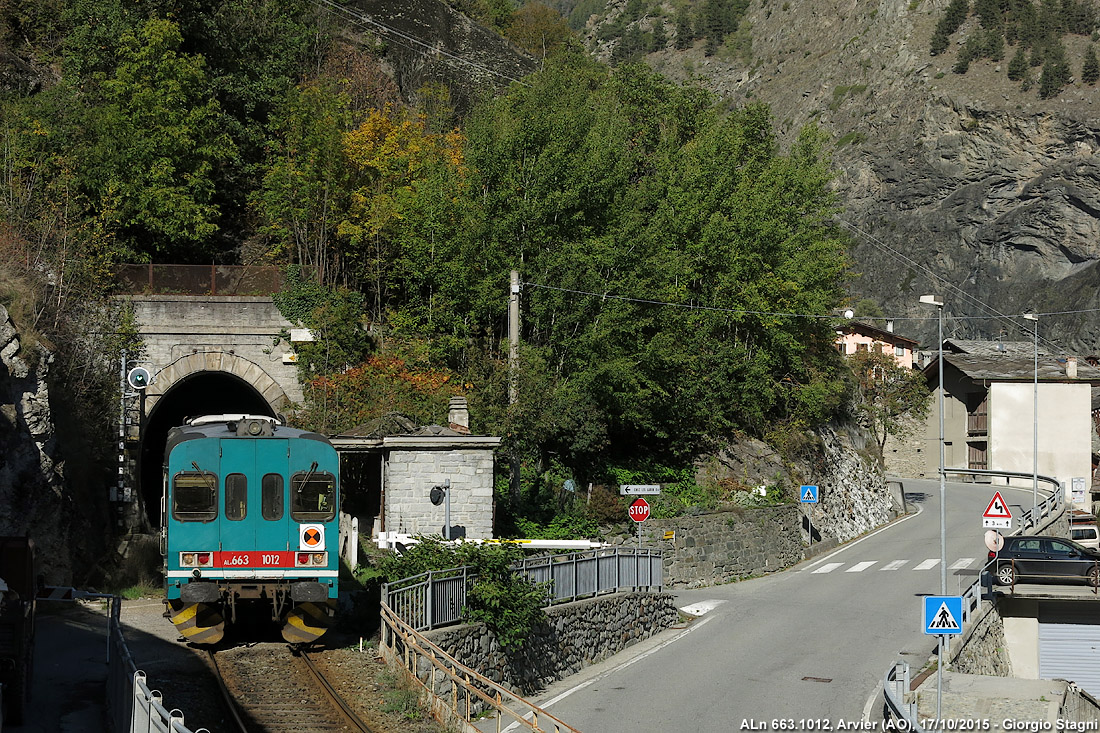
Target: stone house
390,466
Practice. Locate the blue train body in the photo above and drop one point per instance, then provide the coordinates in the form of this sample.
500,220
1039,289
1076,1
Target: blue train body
249,516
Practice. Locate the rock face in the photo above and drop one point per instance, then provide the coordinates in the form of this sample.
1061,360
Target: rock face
34,498
956,184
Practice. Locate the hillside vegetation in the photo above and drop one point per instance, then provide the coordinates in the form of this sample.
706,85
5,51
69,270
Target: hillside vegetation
678,269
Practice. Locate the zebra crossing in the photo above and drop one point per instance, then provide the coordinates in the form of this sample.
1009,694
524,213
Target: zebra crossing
893,565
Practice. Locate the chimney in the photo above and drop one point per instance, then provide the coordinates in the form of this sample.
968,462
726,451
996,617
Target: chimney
890,326
458,415
1071,367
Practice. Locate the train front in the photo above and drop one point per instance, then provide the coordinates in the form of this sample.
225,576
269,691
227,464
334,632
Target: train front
249,520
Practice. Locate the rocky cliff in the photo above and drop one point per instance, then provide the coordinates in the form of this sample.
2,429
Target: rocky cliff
961,185
36,499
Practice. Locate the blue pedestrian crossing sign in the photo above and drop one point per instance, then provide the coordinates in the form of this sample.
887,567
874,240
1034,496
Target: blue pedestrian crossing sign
943,615
807,494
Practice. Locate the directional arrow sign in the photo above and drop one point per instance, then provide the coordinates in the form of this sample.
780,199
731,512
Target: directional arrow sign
997,513
943,614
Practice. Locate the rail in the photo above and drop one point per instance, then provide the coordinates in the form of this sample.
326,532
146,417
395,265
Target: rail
437,598
458,693
894,689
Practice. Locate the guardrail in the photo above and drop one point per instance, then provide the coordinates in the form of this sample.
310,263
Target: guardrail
435,599
895,689
458,693
131,705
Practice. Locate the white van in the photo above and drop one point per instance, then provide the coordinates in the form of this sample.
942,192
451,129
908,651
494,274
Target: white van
1085,534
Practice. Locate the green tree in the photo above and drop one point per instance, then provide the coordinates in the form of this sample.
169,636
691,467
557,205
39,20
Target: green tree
684,33
893,398
305,187
158,138
1018,66
1090,69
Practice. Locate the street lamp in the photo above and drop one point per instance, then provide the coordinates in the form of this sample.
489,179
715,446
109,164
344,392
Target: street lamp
938,302
1035,423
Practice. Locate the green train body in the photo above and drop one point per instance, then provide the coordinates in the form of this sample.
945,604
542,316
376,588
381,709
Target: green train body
249,515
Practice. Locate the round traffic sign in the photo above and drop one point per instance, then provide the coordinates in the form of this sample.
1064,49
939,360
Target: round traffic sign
994,541
639,510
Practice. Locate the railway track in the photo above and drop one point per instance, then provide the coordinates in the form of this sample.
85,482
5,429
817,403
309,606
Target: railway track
271,688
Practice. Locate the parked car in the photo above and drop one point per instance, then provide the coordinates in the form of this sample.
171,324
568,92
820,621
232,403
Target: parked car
1038,557
1085,535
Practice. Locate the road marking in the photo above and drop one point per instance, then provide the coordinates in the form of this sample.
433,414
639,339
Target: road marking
963,563
698,609
893,565
928,564
850,545
859,567
828,567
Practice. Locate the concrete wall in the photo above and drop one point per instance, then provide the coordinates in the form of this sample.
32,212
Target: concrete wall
175,327
1065,430
984,649
411,473
575,636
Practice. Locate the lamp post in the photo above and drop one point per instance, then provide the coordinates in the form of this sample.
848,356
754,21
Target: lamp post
1035,422
938,302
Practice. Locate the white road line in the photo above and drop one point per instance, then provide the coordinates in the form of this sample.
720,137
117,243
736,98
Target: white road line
828,567
852,544
698,609
859,567
962,563
893,565
928,564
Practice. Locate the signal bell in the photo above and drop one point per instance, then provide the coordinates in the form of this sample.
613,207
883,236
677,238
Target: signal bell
139,378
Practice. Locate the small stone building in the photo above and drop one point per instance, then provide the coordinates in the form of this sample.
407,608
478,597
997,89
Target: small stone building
390,466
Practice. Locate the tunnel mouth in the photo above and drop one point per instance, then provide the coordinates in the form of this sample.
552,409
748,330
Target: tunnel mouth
203,393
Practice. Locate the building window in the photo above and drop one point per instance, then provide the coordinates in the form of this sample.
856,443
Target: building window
899,351
976,458
861,347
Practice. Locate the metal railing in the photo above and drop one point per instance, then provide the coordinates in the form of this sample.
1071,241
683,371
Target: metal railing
457,691
131,705
895,685
437,598
199,279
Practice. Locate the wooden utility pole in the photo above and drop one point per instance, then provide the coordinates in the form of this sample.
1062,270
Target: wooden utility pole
513,373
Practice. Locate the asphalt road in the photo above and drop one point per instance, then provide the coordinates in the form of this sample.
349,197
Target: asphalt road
809,645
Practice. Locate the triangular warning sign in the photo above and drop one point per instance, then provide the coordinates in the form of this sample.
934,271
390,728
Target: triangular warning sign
943,620
997,508
809,495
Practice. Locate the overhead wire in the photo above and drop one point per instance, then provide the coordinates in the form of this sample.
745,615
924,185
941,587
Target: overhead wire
393,35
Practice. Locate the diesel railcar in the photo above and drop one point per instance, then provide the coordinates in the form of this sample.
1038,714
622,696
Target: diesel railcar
249,521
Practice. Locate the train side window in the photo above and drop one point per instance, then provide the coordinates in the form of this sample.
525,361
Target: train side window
312,496
194,496
236,496
271,500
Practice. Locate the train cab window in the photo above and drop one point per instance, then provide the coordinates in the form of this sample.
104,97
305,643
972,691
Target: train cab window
271,497
312,496
194,496
236,496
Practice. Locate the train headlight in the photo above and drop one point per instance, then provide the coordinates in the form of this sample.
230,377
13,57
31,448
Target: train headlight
318,558
187,559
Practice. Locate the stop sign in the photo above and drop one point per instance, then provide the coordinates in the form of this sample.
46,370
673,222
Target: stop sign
639,510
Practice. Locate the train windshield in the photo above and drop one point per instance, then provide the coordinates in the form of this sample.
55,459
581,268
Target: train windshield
312,496
194,496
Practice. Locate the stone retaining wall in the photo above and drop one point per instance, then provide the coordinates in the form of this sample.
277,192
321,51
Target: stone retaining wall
983,649
717,548
575,636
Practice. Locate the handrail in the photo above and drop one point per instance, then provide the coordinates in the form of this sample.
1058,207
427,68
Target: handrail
893,693
468,688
